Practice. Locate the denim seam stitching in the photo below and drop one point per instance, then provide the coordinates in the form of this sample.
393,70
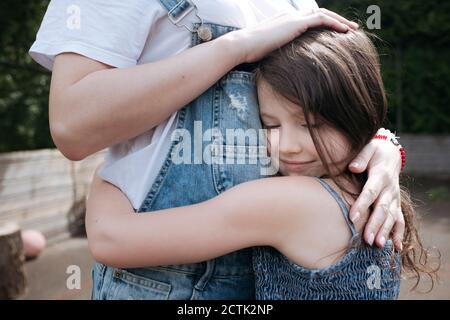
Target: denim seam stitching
215,168
133,279
154,191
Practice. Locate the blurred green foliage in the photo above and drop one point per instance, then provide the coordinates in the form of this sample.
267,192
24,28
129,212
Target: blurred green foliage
441,193
415,51
24,85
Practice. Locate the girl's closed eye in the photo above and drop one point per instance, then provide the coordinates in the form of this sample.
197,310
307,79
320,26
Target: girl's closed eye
304,125
313,125
271,126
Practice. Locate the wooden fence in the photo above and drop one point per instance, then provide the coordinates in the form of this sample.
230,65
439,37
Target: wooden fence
45,191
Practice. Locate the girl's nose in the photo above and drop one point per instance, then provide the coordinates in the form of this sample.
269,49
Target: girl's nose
290,142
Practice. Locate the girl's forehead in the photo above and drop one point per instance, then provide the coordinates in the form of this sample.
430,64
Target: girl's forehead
275,104
282,105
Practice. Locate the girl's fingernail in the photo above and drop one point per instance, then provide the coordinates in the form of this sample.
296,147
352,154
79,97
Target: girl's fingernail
371,238
356,217
382,241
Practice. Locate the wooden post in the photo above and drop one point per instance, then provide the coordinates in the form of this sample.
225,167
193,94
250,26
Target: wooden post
12,271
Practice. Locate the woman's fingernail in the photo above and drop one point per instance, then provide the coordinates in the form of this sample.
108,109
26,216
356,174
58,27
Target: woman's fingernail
355,164
371,238
382,241
356,217
356,25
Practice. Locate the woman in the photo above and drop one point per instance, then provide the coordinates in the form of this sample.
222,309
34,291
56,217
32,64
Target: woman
324,93
133,108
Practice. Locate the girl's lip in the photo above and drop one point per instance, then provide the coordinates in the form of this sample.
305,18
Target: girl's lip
296,162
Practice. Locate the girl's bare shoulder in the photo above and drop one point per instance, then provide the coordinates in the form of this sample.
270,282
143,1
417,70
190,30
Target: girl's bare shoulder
299,192
309,222
287,198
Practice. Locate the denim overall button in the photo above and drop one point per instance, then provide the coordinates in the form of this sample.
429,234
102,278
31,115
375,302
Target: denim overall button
204,33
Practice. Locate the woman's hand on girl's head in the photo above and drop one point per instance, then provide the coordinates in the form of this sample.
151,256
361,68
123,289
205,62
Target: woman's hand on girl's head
383,162
254,43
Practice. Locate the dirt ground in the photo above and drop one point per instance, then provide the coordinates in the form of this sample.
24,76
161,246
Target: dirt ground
49,275
433,199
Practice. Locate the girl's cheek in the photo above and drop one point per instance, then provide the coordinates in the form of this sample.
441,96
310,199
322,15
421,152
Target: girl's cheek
313,154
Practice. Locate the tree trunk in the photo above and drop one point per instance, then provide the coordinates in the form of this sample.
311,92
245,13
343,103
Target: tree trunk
12,272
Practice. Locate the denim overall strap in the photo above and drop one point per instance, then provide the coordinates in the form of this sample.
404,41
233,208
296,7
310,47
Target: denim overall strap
171,4
178,10
341,204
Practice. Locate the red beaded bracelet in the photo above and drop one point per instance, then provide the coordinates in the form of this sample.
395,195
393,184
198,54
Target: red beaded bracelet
403,154
396,143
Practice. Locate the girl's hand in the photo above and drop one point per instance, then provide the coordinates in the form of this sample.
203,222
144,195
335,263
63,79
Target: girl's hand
254,43
383,162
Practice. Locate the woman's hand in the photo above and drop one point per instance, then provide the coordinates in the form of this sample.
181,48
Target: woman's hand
383,162
256,42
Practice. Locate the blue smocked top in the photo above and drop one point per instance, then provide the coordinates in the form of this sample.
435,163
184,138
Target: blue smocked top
363,273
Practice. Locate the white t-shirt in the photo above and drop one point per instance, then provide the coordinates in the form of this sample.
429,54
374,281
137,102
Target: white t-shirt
128,33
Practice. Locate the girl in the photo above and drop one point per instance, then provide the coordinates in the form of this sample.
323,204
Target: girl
324,93
126,74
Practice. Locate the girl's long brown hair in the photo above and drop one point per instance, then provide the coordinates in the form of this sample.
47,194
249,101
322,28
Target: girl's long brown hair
336,77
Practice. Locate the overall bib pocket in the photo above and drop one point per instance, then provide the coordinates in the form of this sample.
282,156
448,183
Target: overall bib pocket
239,145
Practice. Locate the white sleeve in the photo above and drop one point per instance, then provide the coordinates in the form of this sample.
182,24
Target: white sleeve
110,31
305,4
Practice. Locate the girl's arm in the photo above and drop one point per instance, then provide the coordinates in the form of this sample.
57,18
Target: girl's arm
122,238
94,106
292,214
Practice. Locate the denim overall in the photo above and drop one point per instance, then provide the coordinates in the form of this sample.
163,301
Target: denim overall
363,273
231,103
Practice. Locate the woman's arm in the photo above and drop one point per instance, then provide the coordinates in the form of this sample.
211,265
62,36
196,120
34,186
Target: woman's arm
109,105
94,106
382,190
